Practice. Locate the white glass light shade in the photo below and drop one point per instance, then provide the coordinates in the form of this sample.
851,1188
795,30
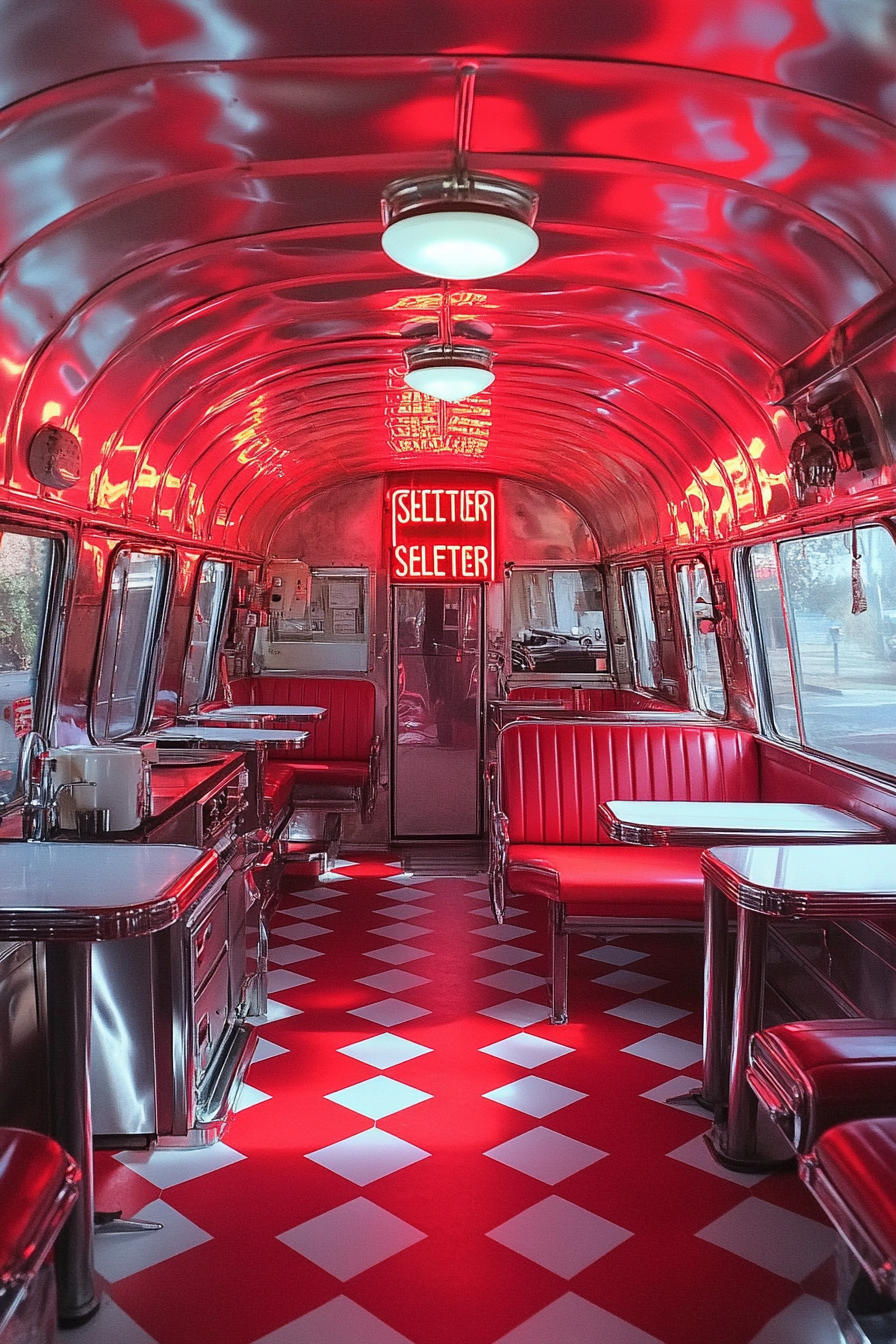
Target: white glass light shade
449,373
460,244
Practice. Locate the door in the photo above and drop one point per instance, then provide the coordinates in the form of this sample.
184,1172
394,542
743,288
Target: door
437,711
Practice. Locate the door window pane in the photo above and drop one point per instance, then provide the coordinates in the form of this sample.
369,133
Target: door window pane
557,621
26,572
707,684
643,628
840,597
772,623
133,611
205,631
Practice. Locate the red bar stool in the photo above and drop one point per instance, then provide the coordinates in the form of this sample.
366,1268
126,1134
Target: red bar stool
810,1076
852,1174
38,1184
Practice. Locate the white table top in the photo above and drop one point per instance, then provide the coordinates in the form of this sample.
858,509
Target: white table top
92,891
696,823
204,732
818,881
261,712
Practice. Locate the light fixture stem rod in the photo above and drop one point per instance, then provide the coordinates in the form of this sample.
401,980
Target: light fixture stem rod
443,422
466,84
445,317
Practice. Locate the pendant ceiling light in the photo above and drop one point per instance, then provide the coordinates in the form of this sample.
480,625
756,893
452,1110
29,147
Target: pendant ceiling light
449,372
459,225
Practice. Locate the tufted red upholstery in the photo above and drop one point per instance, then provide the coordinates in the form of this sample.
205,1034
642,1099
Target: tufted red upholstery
588,699
346,732
553,695
554,775
824,1073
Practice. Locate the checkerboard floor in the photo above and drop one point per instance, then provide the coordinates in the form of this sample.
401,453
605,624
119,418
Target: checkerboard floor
420,1158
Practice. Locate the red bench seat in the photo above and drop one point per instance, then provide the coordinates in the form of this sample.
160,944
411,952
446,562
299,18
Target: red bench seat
588,699
811,1076
279,779
341,750
546,835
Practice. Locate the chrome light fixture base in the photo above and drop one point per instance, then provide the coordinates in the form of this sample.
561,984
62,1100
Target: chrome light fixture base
449,372
459,227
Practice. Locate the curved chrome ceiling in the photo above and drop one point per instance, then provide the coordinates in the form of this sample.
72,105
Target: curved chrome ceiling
194,281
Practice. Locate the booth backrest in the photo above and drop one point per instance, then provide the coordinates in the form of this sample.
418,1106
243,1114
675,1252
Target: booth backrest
554,775
587,699
348,729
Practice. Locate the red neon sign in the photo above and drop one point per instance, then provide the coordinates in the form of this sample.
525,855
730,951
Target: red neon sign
443,531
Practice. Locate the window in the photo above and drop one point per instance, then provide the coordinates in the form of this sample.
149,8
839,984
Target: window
205,631
133,617
319,620
557,621
648,671
27,570
707,685
826,609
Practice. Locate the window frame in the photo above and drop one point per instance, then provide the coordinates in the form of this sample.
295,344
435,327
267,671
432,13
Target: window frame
152,661
48,652
688,631
545,674
752,633
216,635
626,574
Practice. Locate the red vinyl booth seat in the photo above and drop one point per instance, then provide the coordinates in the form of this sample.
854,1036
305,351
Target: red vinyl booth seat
341,750
811,1076
547,839
852,1173
587,699
38,1184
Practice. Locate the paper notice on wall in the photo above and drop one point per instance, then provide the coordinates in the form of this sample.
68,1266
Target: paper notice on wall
345,622
344,595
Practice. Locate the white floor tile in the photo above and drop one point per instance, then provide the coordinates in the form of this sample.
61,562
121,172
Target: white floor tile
633,982
250,1096
347,1240
120,1254
398,955
502,933
613,955
276,1011
399,931
546,1155
344,863
674,1091
572,1320
389,1012
696,1154
529,1052
510,956
510,911
513,982
282,979
378,1097
267,1050
309,910
808,1320
402,911
340,1321
517,1012
409,879
535,1096
301,932
560,1236
648,1013
109,1326
385,1051
291,953
393,982
165,1167
785,1243
669,1050
368,1156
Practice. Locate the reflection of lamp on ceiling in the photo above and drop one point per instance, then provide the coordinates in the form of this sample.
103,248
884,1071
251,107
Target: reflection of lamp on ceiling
444,370
459,225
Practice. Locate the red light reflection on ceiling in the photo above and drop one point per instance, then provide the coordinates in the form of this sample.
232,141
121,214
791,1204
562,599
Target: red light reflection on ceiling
419,424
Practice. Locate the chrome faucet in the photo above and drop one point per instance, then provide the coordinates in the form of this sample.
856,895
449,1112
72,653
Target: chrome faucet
36,767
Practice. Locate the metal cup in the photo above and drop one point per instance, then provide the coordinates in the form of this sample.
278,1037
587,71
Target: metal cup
92,822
